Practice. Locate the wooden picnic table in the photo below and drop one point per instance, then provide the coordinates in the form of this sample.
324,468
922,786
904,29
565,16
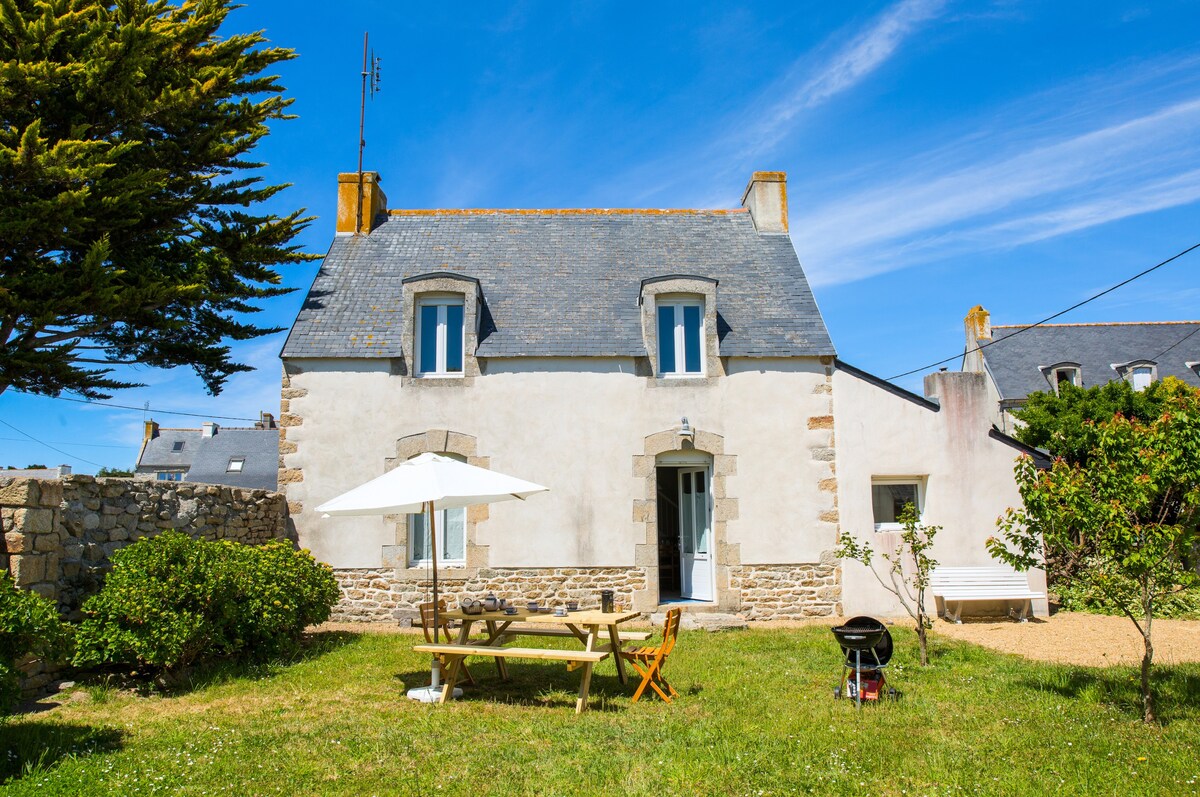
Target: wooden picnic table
584,625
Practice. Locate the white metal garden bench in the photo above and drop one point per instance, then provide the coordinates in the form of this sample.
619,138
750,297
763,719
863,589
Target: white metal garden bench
956,585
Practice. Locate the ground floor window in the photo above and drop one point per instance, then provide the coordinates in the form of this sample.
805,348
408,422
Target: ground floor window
451,537
889,496
169,476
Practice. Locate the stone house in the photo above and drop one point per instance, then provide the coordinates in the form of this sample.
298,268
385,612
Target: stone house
212,454
1017,360
667,374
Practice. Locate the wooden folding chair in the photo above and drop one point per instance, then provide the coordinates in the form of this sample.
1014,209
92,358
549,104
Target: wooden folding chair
649,661
431,637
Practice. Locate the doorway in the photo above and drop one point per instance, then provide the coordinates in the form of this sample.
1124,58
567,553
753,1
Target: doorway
685,557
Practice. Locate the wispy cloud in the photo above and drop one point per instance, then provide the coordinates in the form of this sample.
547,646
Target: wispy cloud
846,68
843,62
1018,187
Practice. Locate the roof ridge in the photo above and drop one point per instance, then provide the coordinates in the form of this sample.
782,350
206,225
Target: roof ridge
563,211
1095,324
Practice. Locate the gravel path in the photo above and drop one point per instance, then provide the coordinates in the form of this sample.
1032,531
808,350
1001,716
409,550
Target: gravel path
1090,640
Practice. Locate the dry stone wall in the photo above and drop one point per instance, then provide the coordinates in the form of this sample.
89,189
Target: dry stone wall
377,595
59,534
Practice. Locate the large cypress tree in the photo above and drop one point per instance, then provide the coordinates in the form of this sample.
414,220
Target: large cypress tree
128,223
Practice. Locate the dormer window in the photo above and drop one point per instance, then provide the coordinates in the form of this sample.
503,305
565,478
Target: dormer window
1063,374
1138,373
439,336
680,337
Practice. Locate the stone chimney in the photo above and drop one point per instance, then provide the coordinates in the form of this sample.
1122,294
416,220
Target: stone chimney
208,429
374,203
766,199
265,421
978,326
150,432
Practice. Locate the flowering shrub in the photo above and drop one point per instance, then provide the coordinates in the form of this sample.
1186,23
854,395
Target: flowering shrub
172,600
28,624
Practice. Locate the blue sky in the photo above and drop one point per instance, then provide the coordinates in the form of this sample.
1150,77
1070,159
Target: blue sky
1022,155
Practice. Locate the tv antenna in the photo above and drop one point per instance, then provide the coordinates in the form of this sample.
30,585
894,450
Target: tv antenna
370,79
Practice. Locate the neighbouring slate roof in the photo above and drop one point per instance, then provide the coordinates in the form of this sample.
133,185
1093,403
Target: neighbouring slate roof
260,447
158,451
561,283
1015,364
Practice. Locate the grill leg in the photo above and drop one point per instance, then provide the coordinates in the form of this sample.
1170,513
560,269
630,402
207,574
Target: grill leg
858,679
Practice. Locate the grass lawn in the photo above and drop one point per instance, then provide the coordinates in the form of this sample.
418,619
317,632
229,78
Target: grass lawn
756,716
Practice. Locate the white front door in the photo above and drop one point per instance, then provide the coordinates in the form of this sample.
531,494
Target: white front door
695,535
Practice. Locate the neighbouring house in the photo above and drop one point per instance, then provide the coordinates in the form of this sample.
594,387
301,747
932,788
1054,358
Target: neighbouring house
212,454
36,473
1017,360
667,374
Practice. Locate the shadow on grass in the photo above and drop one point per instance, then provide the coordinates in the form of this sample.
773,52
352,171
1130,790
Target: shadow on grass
219,671
32,748
1176,689
535,684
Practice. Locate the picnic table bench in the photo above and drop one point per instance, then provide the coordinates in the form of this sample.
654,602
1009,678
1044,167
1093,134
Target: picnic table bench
957,585
584,626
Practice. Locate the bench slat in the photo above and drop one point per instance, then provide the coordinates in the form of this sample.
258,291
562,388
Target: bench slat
522,653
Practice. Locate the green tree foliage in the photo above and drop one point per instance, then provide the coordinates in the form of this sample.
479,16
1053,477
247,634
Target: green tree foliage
909,567
127,225
1129,508
114,473
171,601
1058,422
29,624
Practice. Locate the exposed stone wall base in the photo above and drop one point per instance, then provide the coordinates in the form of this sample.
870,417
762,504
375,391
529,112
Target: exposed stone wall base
788,592
378,595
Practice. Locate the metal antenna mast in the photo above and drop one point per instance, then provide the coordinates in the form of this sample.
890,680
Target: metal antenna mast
370,77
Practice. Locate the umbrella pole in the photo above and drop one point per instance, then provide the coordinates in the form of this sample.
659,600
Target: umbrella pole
436,674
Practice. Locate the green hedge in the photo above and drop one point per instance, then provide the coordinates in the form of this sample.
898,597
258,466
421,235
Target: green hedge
28,624
171,601
1100,590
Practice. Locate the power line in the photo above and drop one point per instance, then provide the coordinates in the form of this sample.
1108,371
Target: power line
141,409
47,445
1052,317
1159,356
73,445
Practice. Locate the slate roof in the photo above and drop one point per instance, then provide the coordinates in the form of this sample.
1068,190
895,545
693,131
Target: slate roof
1014,364
206,459
561,283
260,447
159,453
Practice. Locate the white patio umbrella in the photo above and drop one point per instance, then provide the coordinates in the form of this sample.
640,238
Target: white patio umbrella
427,483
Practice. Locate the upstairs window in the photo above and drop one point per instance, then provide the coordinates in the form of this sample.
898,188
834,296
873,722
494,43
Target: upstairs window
1141,376
177,445
440,336
235,465
1065,373
681,337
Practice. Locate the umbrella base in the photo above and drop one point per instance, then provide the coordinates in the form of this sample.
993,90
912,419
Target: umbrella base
431,694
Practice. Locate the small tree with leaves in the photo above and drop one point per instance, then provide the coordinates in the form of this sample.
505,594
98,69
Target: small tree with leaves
1130,508
909,567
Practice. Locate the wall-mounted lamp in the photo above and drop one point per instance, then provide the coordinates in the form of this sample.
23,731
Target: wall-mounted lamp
686,431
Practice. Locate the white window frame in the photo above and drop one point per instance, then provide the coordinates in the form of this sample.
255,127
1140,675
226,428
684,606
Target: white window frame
1051,374
415,560
680,341
881,481
168,476
1128,372
441,302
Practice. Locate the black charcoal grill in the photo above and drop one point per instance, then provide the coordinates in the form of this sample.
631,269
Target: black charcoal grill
866,650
